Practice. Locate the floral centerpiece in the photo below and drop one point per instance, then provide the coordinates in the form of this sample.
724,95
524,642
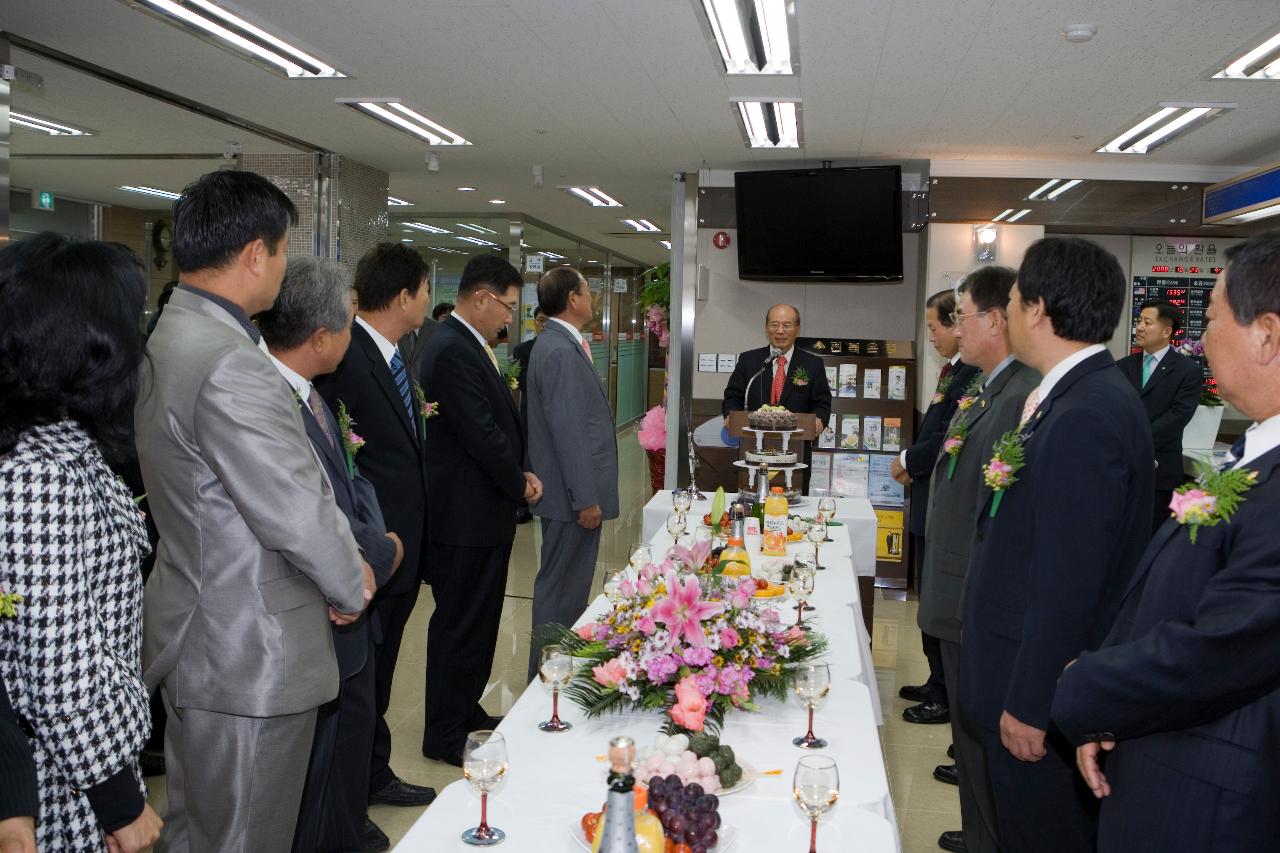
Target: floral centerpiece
692,647
1209,390
653,440
655,299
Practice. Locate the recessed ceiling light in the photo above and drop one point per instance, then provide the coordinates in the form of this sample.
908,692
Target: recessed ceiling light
479,229
466,189
154,192
666,244
1163,126
754,36
1018,215
552,255
422,226
641,225
445,249
769,124
406,240
391,112
476,240
212,22
1062,189
497,201
1035,194
998,217
1261,63
398,202
594,196
49,126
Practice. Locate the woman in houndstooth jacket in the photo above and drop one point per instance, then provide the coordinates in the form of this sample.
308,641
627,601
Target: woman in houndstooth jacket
72,537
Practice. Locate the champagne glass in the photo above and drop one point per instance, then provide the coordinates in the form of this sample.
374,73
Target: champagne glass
816,787
484,763
641,555
675,526
555,668
801,587
817,534
826,511
682,500
613,585
813,682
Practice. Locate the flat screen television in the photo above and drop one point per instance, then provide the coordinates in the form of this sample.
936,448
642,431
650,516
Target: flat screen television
820,224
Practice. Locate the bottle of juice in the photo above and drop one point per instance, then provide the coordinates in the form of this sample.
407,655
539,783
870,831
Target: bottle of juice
774,541
735,559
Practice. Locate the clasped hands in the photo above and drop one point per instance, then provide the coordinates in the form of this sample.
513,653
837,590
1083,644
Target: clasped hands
532,487
1026,743
370,588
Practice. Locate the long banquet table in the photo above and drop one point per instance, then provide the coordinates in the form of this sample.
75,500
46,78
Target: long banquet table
555,778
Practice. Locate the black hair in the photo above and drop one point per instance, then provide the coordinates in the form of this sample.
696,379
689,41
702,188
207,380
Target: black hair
224,211
1081,283
784,305
554,289
944,302
70,343
441,310
1166,311
988,287
1253,276
384,271
488,272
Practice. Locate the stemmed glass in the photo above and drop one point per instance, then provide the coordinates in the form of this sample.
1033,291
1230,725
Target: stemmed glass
813,682
682,500
555,668
816,788
641,555
484,763
613,579
675,526
801,587
826,511
817,534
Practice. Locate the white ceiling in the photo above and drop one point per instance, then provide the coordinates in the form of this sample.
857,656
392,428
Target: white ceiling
622,93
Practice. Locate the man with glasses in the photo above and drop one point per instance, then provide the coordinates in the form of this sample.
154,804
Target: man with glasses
475,472
794,379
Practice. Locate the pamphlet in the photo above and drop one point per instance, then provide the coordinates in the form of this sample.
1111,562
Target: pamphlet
871,428
892,435
849,478
849,432
832,382
820,472
848,381
871,383
898,382
827,438
881,487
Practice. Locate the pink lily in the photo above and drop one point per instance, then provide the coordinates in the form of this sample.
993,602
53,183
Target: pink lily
683,610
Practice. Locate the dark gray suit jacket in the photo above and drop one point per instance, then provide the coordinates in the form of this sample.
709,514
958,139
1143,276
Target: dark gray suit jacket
573,445
954,500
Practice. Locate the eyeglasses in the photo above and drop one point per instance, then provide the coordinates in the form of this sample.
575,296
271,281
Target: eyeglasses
780,327
956,316
510,308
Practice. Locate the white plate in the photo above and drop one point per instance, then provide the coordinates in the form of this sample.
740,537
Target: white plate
749,775
726,836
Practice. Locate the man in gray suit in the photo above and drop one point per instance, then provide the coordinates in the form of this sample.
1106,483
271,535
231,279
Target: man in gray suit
573,449
956,493
255,558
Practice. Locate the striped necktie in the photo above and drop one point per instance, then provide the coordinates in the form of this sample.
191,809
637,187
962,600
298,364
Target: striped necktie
402,383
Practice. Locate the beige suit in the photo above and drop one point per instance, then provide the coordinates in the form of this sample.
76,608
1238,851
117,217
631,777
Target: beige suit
252,549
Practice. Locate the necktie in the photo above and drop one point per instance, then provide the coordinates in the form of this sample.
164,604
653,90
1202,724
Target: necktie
1033,403
316,405
492,357
1235,454
1148,367
586,347
944,372
779,377
402,383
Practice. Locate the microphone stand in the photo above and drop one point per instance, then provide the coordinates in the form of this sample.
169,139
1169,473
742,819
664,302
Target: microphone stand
694,492
768,362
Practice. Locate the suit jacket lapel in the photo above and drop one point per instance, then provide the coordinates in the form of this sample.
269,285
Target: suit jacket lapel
983,404
484,356
334,453
1165,365
381,374
577,345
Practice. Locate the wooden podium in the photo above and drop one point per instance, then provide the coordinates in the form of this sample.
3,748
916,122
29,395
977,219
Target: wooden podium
797,441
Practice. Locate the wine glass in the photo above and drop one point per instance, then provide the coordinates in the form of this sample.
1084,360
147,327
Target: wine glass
555,668
484,763
641,555
813,682
817,534
826,511
675,526
801,587
816,788
613,579
682,500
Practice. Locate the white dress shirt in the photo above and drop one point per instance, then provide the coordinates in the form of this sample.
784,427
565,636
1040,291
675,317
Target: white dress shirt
574,333
1004,362
1260,438
479,337
1157,355
1062,368
386,347
300,386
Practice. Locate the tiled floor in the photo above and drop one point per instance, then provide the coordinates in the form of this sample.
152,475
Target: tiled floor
925,807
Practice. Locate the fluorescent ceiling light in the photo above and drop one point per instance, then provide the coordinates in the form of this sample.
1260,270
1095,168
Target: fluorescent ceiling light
552,255
406,239
479,229
1018,215
594,196
1036,194
446,250
422,226
497,201
44,125
1163,126
476,240
641,225
666,244
231,32
1261,63
753,36
1062,189
466,189
1253,215
767,124
391,112
1002,215
153,191
398,202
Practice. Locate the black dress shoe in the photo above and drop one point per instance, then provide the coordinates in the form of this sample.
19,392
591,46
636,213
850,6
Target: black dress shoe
454,758
398,792
930,713
916,693
952,840
947,773
374,838
951,752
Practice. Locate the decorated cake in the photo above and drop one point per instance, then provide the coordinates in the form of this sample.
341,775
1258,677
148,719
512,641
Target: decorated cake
772,457
771,417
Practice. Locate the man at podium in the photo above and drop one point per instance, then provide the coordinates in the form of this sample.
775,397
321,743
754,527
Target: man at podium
779,374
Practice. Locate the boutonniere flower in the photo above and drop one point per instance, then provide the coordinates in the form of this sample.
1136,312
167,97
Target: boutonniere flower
1005,462
351,442
800,377
954,443
970,395
940,393
9,602
1212,499
511,373
426,410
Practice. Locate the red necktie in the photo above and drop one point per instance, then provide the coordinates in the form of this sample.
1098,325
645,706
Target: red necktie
779,378
946,369
587,349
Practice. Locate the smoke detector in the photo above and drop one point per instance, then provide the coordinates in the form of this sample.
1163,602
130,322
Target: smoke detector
1079,33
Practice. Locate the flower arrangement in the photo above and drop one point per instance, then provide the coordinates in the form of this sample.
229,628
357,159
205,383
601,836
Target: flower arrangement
959,431
653,429
940,393
1209,390
511,374
426,410
1005,462
655,321
351,442
655,299
971,392
800,377
1212,499
694,648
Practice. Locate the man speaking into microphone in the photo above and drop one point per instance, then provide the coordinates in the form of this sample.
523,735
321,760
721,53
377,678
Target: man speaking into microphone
779,374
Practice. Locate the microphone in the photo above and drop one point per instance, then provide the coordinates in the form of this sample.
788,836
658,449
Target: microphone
774,353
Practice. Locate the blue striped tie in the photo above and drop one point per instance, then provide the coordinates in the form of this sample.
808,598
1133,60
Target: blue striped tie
402,382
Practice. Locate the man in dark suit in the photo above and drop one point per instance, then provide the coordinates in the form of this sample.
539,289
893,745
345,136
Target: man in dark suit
521,353
795,379
1183,701
374,386
914,466
956,492
307,332
1170,385
475,455
573,448
1057,545
414,344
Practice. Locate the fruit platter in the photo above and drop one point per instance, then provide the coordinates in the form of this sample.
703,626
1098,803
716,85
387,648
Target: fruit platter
671,817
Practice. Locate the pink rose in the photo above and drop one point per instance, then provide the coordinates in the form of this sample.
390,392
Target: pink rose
1194,506
952,444
627,589
729,638
690,710
643,587
610,674
645,625
794,633
587,631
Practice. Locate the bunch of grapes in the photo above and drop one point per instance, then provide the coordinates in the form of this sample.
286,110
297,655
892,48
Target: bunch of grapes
688,813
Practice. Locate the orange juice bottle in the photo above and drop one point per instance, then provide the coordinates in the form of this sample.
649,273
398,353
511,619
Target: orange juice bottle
735,559
774,540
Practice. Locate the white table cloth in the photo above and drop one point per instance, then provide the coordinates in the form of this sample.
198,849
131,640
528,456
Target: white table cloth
555,778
